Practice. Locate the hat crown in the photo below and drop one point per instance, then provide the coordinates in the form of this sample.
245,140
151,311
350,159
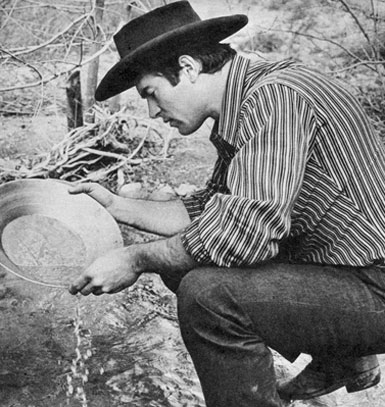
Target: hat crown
157,22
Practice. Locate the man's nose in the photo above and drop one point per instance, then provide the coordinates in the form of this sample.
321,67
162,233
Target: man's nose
153,109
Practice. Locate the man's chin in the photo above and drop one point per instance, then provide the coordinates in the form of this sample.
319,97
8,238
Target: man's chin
186,131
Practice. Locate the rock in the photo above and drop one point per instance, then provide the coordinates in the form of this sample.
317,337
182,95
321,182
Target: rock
185,189
164,193
3,291
133,190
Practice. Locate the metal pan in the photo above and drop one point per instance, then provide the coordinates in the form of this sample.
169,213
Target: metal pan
49,236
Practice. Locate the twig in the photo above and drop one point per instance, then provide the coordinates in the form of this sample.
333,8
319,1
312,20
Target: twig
53,39
103,153
57,75
15,112
337,44
80,154
60,7
357,64
75,35
8,15
24,28
359,25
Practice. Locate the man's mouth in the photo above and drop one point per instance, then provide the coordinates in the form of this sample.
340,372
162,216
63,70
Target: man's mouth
172,123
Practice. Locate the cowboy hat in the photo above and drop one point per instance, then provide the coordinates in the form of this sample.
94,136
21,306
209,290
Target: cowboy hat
154,34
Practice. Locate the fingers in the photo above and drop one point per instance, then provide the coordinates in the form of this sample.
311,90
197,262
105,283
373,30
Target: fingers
99,291
82,188
95,191
79,284
86,286
87,289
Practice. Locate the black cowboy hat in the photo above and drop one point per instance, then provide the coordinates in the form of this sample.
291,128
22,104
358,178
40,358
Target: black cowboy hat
154,34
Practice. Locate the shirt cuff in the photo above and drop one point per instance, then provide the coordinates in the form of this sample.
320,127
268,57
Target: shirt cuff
193,206
193,245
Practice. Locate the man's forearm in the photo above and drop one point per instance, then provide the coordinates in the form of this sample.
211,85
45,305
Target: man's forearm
163,256
165,218
120,268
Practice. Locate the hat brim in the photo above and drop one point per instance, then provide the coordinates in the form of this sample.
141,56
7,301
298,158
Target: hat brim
123,74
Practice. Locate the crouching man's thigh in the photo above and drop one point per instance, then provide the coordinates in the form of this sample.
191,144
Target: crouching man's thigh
292,308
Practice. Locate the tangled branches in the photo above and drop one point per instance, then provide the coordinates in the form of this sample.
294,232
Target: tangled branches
94,151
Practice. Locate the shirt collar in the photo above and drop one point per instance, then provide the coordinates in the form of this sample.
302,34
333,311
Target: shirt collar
228,119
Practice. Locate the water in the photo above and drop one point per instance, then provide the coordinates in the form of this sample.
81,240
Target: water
78,376
57,350
131,346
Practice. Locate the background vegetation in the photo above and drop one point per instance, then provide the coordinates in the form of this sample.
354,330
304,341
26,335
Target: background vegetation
43,44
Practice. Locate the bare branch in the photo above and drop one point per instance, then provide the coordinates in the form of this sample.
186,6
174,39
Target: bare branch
103,153
53,39
57,75
9,15
359,25
69,9
75,35
356,65
24,63
328,40
23,27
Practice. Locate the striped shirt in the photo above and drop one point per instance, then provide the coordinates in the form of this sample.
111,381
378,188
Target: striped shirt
298,166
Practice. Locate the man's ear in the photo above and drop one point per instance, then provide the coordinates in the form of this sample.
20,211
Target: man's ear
190,67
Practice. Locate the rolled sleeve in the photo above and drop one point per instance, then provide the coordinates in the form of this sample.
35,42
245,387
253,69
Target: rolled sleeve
196,203
193,244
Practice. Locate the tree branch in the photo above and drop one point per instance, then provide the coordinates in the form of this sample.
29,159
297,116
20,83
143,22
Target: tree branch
323,39
24,63
8,15
365,63
53,39
359,25
57,75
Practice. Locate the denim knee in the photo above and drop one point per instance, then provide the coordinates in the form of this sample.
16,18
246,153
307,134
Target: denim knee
208,309
189,293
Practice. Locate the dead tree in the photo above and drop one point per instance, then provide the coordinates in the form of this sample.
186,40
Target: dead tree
93,68
74,101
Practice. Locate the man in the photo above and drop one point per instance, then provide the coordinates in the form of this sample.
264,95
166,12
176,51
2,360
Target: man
285,247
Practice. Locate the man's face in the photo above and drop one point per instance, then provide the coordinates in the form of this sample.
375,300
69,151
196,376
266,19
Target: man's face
180,106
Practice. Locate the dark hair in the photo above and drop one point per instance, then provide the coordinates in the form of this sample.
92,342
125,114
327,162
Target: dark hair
212,57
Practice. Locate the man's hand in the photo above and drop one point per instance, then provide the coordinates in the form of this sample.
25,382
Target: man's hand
97,192
120,268
162,218
108,274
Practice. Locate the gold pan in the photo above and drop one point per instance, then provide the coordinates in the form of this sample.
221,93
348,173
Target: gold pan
49,236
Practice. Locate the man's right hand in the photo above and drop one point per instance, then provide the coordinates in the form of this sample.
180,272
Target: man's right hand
97,192
162,218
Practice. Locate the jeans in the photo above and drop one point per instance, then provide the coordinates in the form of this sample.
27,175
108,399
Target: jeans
230,318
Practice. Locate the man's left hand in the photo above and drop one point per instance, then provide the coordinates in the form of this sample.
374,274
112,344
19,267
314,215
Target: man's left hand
108,274
120,268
